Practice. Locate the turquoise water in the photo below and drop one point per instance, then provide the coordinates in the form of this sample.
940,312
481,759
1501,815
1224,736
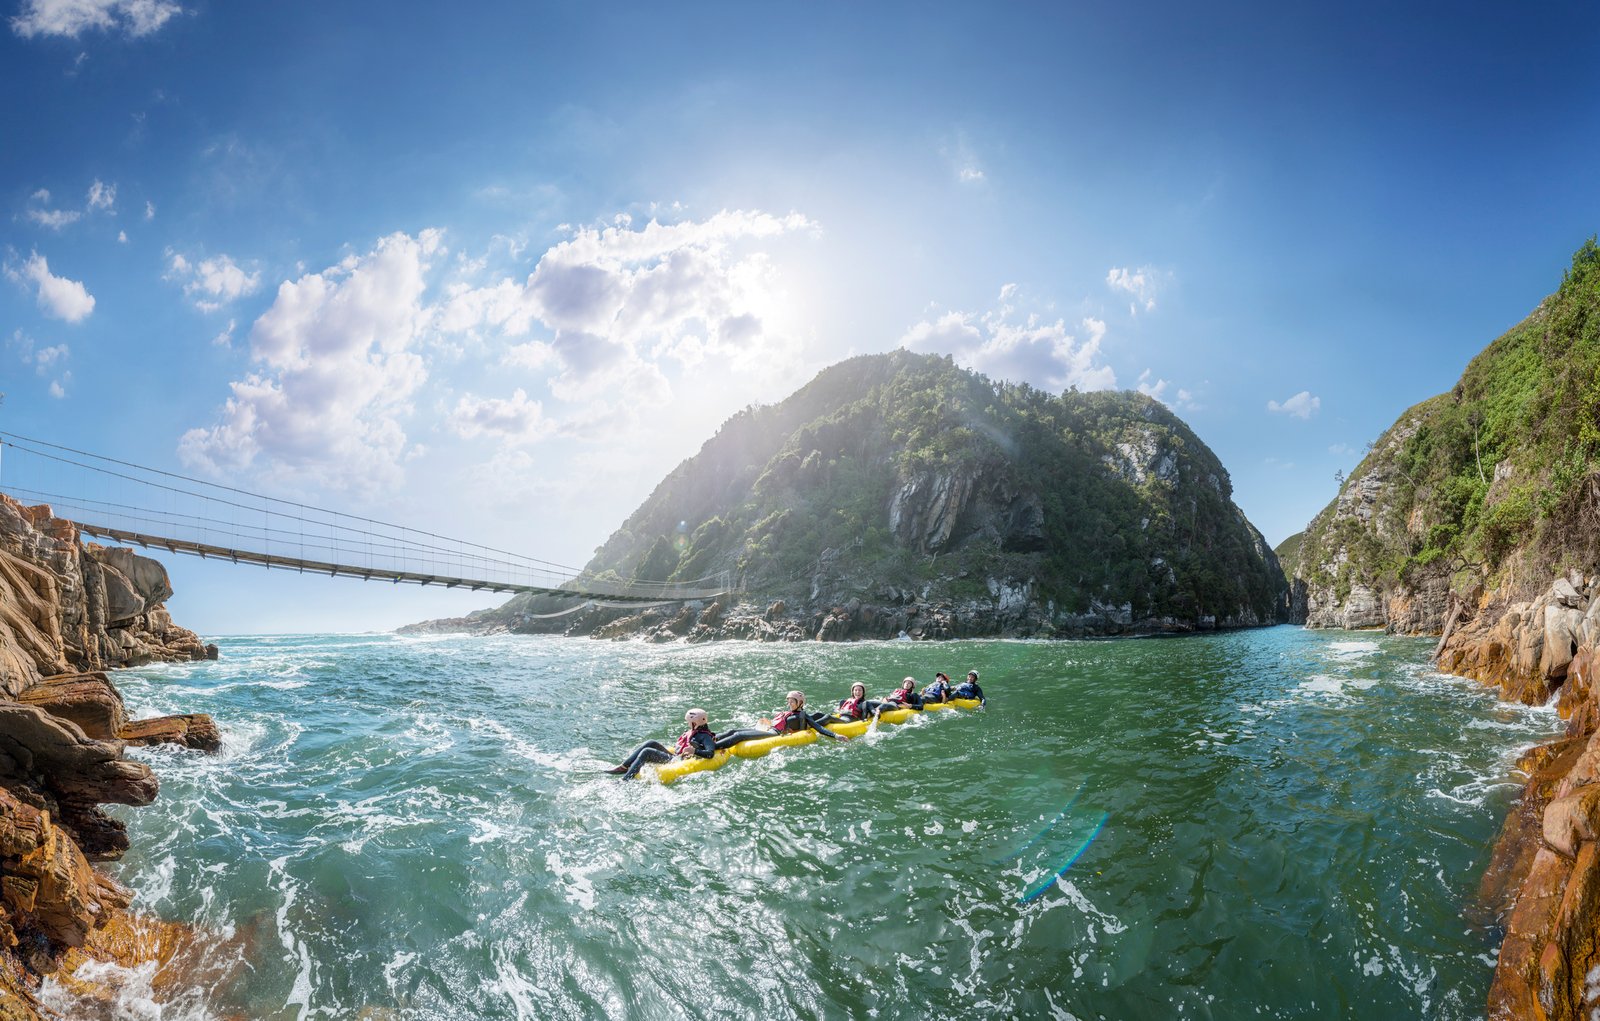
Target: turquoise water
1294,827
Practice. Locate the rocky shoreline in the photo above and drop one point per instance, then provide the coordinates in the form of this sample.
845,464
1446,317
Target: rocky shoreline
1010,613
1544,878
70,611
1542,885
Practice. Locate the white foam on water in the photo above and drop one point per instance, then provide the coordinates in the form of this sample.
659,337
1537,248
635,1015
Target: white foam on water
1322,684
297,951
133,993
1057,1013
579,889
1353,650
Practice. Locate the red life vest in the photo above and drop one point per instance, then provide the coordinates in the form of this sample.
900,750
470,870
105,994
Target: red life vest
780,722
852,706
900,695
685,744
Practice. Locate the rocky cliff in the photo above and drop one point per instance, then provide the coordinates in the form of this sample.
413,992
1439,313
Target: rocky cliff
899,493
68,612
1476,516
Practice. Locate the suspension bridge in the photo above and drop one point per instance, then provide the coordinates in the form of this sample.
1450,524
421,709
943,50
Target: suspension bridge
141,506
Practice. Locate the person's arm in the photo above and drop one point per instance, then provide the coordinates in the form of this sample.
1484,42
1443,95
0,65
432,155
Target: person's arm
704,744
819,728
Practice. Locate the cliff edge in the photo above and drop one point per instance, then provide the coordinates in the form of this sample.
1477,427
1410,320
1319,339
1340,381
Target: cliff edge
69,611
1476,517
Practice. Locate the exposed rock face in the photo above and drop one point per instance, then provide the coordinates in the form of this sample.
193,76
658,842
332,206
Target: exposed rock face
900,482
68,612
1544,879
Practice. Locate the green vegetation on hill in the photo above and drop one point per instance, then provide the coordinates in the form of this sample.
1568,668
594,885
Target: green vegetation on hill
1501,471
902,474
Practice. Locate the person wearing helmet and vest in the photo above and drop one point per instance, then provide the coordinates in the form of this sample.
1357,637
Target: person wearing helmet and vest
796,718
905,696
938,691
969,688
696,742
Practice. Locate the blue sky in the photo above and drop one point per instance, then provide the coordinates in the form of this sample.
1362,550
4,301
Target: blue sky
494,271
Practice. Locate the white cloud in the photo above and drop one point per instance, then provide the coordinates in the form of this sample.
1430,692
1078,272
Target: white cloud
620,303
1031,350
1341,449
122,236
1180,398
961,158
55,219
1301,405
225,338
335,374
74,17
149,210
1142,284
516,420
212,283
45,357
102,195
44,360
59,297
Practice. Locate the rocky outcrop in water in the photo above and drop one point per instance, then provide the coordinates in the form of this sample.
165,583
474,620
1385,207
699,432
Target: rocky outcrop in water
900,492
69,611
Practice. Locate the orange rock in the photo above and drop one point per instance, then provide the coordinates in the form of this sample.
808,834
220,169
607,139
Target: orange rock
194,730
1517,980
87,699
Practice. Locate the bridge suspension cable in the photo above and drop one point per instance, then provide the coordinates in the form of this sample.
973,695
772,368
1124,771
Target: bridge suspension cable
131,503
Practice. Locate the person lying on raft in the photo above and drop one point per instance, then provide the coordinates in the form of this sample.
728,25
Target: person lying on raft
697,742
857,707
796,718
905,696
969,688
938,691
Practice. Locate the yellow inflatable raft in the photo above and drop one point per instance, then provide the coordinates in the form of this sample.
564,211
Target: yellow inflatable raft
669,771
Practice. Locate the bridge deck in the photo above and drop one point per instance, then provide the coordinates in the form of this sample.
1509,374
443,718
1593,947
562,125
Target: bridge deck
207,551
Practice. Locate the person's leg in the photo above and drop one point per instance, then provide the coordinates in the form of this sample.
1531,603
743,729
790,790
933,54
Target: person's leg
628,762
730,738
646,755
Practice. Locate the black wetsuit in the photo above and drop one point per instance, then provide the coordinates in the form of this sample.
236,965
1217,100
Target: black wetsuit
790,720
729,738
968,689
905,700
701,742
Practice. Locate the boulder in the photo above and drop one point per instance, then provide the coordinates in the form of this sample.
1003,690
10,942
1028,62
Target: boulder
1563,629
86,699
1571,820
193,730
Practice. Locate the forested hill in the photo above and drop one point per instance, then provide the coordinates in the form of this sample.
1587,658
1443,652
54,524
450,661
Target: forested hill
901,479
1489,490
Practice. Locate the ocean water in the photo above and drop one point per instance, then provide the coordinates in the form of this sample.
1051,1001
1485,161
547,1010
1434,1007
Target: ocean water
1276,823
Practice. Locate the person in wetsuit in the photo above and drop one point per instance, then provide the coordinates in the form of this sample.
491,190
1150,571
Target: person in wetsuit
969,688
905,696
796,718
698,741
938,691
857,707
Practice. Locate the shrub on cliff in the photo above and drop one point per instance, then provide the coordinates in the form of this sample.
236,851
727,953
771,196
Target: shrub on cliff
1501,472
